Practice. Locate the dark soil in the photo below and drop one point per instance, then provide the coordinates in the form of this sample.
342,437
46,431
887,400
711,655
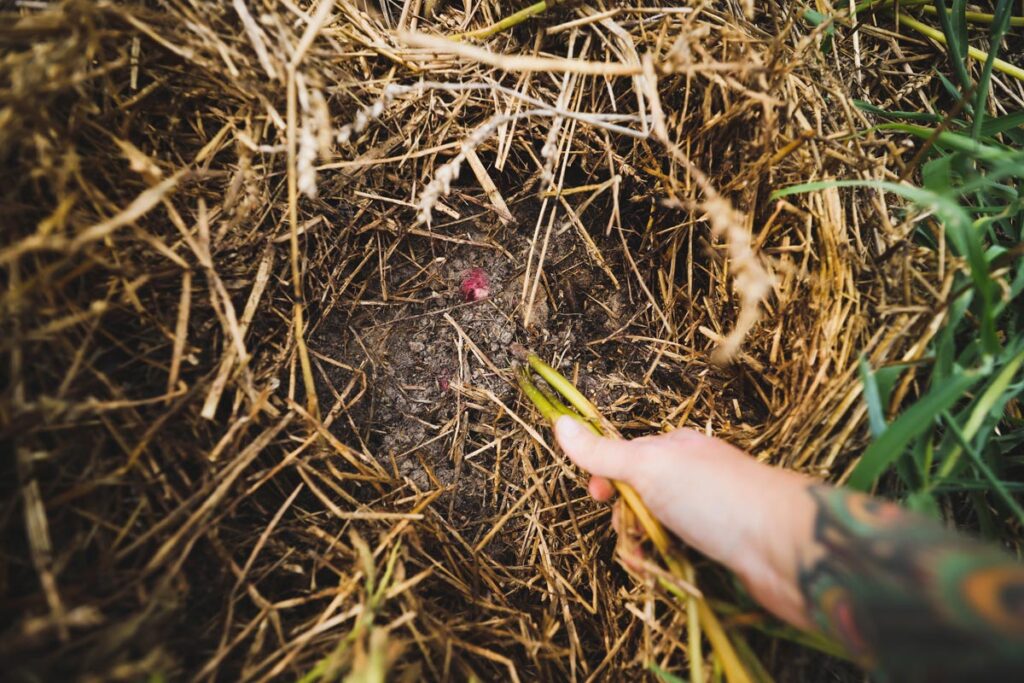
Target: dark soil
419,368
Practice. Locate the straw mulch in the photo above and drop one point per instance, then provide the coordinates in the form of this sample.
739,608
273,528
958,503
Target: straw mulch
205,215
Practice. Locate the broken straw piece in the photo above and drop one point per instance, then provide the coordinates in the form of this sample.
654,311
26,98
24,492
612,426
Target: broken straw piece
475,286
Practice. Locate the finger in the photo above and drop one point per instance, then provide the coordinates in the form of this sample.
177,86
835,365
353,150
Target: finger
600,489
604,457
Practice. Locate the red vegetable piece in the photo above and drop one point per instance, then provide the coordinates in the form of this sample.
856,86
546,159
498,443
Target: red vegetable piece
476,286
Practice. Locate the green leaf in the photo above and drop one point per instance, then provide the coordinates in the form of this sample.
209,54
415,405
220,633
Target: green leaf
937,175
958,20
1000,24
873,398
908,115
954,141
924,503
886,378
664,675
1018,283
955,30
954,92
983,467
945,347
946,208
985,412
816,18
1001,124
915,420
966,239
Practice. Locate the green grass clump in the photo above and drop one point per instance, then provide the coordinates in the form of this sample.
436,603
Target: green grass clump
959,435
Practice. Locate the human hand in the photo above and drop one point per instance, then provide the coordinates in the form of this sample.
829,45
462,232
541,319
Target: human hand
750,517
870,575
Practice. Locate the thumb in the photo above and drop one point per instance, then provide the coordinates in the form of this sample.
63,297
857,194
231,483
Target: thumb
596,454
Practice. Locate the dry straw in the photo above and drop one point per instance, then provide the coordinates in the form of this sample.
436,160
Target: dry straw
211,251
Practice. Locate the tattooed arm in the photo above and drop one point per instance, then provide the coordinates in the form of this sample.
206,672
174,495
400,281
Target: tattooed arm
907,598
910,598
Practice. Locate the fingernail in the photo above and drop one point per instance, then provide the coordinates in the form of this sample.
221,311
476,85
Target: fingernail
569,428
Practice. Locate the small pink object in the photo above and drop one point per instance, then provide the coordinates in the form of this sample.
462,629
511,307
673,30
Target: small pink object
476,286
443,382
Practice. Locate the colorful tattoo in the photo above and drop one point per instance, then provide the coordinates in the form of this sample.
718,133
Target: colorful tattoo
909,599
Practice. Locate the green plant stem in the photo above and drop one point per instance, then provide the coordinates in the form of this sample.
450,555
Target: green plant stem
983,467
558,405
998,32
973,52
563,386
973,17
677,565
981,410
509,21
693,632
543,405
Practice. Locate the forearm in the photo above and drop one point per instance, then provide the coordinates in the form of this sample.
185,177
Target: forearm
902,594
909,598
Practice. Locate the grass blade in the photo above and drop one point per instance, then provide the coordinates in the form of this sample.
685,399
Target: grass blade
991,402
959,228
876,411
956,48
1000,26
979,462
884,450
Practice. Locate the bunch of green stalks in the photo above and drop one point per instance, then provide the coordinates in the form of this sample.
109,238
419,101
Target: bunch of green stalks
700,616
964,433
953,36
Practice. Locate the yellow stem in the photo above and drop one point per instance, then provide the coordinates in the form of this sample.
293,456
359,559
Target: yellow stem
508,22
678,566
693,631
973,52
563,386
975,17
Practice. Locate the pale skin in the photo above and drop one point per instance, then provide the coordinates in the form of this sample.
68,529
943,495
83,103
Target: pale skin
754,519
903,595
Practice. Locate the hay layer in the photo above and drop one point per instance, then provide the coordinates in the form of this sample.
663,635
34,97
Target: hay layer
209,208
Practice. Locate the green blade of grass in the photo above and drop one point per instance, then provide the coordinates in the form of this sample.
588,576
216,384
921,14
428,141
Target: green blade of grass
995,125
908,115
954,141
663,675
979,462
999,28
884,450
955,40
876,412
991,401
